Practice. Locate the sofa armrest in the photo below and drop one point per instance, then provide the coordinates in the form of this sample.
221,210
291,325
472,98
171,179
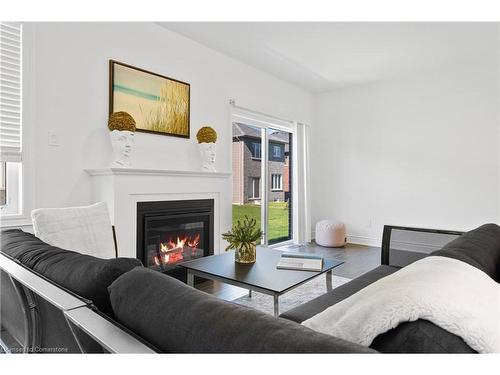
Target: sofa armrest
404,245
111,337
55,320
38,285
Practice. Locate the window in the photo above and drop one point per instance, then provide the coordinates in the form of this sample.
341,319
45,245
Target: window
276,182
256,154
10,117
277,151
254,188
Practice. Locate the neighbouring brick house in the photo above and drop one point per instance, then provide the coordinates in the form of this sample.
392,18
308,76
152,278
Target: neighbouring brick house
247,151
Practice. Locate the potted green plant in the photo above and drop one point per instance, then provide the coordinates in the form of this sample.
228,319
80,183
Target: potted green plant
242,239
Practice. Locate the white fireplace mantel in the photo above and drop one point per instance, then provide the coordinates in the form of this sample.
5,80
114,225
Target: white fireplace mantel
123,188
154,172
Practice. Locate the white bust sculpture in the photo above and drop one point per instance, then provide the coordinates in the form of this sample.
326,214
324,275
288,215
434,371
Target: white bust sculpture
122,132
208,154
207,137
123,143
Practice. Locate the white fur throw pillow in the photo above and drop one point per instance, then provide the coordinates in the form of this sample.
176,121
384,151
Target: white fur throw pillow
86,230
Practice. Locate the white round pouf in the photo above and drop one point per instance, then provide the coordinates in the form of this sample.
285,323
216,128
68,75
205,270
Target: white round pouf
330,233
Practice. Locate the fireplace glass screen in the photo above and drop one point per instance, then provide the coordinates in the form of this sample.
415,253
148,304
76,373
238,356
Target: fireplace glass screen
170,233
169,243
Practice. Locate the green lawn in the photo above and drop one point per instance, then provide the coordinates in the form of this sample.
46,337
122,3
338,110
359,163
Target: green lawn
278,218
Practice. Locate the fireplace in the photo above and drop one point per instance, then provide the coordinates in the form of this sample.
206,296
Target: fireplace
172,232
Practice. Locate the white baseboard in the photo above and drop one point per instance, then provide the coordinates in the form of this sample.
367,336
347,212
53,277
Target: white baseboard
418,247
367,241
357,240
24,227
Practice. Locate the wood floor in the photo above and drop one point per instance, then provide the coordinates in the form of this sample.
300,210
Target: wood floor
358,259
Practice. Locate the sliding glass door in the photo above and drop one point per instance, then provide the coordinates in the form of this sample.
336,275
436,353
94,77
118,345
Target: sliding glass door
279,186
247,172
262,177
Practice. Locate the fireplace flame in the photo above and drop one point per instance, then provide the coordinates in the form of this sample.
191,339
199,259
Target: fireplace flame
171,251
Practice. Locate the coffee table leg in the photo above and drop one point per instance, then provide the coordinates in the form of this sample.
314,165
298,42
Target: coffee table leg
276,306
329,281
190,279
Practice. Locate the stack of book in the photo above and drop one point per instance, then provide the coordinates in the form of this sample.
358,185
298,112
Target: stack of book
300,262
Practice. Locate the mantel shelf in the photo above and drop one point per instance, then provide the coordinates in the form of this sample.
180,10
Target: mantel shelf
154,172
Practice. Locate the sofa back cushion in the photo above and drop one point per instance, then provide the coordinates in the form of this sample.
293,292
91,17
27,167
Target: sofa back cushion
84,275
178,318
86,229
479,248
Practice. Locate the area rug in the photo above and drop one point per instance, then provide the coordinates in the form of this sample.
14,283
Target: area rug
293,298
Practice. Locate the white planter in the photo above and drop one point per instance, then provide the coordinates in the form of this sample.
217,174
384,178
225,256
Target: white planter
208,153
122,142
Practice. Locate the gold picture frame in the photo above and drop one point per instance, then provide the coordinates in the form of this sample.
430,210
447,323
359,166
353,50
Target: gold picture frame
159,104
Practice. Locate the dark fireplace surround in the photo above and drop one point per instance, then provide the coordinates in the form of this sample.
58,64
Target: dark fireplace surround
172,232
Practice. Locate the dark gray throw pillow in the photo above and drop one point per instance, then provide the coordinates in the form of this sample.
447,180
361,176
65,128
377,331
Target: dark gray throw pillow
479,248
177,318
84,275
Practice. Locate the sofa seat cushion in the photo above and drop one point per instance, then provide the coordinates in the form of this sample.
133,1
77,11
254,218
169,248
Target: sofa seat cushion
177,318
84,275
315,306
479,248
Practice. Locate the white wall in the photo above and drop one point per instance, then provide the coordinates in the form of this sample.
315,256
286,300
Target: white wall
417,151
423,150
68,75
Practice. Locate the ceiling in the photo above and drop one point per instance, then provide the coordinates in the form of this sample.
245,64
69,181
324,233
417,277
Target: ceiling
322,56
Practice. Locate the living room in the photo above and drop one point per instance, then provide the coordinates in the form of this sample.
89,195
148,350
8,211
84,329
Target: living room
250,187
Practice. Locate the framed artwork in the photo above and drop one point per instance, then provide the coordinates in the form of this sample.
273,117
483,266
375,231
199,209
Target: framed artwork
159,104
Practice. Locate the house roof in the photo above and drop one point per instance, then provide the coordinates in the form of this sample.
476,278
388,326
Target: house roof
242,130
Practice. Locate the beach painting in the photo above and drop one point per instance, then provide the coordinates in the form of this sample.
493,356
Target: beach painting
158,104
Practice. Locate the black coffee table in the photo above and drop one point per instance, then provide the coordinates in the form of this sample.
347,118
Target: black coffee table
261,276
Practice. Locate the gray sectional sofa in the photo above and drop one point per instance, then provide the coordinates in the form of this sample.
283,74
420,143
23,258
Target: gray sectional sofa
147,310
479,248
153,312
